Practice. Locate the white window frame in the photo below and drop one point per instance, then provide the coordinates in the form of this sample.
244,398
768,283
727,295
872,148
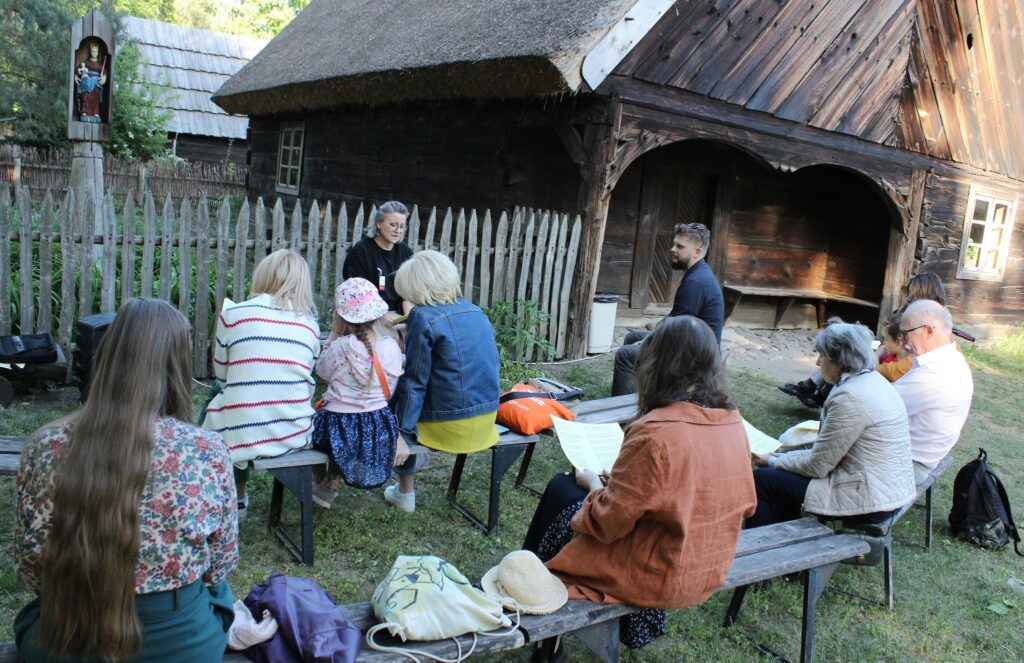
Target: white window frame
286,168
973,268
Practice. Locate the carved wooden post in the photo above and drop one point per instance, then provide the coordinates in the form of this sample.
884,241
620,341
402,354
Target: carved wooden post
595,192
902,244
90,87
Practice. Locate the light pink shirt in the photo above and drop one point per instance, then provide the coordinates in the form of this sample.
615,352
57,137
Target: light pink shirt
937,393
348,367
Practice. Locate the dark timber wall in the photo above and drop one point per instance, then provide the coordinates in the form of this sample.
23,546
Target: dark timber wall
493,156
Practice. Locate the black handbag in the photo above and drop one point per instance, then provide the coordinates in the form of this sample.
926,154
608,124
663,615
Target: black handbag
28,349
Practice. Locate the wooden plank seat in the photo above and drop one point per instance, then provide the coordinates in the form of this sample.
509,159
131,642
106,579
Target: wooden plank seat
294,471
787,296
883,531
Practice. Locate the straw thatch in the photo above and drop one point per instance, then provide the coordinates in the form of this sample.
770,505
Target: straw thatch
194,63
339,52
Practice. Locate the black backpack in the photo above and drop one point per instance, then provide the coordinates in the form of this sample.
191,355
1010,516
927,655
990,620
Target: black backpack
981,511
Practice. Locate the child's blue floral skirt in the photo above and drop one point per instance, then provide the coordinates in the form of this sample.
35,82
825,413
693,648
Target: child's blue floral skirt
361,444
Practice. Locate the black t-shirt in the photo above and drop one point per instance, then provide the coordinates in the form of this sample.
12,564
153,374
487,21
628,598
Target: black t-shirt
366,258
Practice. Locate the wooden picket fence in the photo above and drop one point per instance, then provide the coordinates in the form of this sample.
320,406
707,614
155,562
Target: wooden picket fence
193,255
40,171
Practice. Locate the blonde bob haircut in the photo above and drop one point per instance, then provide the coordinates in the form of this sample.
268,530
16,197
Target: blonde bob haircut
428,278
284,276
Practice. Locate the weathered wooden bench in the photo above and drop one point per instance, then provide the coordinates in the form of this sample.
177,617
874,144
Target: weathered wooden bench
787,296
294,471
925,489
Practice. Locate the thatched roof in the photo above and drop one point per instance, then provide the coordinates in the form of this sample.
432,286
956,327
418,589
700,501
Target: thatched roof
195,63
339,52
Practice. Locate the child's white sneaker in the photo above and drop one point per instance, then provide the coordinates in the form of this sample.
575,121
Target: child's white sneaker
323,495
404,501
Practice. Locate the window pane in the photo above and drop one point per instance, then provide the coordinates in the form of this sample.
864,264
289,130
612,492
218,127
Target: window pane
995,237
999,216
992,259
293,178
295,158
980,209
297,138
977,233
973,254
287,140
282,175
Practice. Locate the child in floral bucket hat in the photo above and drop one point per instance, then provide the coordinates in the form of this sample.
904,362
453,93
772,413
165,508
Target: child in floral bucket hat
361,363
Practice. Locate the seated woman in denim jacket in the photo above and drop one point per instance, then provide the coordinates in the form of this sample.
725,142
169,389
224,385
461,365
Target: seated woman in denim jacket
447,398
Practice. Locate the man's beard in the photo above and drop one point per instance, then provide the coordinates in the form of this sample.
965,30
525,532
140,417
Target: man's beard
679,265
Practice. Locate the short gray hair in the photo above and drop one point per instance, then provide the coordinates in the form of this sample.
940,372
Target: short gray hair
847,345
390,207
428,278
696,232
928,312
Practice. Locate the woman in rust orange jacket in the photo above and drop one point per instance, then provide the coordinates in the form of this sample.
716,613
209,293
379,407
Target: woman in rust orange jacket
660,530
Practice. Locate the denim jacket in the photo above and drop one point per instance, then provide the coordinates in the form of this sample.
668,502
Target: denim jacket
451,366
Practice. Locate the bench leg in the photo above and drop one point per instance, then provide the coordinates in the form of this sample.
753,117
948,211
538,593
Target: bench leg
733,613
928,518
602,639
299,481
887,563
815,581
502,458
782,308
524,467
732,300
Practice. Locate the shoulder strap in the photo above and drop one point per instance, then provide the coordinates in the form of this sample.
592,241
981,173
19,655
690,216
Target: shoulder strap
380,375
561,396
1012,527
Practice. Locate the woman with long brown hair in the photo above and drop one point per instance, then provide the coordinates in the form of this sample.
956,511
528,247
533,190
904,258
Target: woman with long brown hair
126,512
659,531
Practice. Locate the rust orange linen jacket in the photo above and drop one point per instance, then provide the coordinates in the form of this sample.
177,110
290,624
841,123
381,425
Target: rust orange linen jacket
662,533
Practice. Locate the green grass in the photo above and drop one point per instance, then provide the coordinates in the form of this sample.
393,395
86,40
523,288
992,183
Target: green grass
942,596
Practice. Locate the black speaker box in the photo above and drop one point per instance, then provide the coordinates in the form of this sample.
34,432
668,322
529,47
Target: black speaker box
88,333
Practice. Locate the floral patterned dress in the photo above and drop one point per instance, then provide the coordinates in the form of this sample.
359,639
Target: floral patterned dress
187,517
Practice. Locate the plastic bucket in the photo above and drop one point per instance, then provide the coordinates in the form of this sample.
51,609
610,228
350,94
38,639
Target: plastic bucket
602,323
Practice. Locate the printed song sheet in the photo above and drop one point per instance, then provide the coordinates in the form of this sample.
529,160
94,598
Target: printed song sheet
760,443
589,446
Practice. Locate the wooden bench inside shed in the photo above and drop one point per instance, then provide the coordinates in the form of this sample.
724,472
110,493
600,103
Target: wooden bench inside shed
786,297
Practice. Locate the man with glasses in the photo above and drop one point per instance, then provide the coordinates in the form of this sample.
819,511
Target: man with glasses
376,258
937,391
699,295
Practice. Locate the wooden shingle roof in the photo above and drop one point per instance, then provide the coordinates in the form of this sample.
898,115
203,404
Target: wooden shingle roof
195,63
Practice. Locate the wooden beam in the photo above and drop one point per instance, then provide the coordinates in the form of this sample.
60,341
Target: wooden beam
720,223
902,243
594,195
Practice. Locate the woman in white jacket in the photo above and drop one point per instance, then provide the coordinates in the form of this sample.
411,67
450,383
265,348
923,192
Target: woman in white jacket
859,468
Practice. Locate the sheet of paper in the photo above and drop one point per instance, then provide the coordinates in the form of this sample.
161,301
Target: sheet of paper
760,443
589,446
875,344
809,425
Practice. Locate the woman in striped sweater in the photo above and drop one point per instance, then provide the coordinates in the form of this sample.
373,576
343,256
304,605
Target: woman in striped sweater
263,356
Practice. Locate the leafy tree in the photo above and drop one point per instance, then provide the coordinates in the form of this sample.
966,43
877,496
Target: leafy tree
34,78
139,126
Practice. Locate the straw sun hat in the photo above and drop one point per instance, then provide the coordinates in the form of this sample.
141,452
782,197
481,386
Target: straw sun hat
523,577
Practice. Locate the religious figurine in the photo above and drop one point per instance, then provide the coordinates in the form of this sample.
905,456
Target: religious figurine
90,79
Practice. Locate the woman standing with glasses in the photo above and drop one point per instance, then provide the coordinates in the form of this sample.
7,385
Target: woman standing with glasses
377,258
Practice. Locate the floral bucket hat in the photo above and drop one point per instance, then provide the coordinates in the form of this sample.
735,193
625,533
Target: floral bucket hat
356,300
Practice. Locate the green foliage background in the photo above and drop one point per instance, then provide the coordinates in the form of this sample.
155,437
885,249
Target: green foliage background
34,64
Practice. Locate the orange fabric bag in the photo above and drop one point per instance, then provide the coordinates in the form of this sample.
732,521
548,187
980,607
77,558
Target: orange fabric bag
527,414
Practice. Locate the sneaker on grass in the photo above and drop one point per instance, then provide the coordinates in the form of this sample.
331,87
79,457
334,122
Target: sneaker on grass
404,501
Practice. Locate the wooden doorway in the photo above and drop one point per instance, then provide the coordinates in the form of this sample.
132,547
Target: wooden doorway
671,194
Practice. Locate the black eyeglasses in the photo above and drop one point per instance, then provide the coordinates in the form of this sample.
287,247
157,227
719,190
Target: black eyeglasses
905,332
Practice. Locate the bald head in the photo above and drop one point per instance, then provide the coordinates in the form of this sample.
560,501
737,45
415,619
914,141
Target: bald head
926,325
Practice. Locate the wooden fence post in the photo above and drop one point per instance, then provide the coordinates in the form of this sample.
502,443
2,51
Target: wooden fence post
128,249
26,321
185,257
241,244
5,257
201,328
68,264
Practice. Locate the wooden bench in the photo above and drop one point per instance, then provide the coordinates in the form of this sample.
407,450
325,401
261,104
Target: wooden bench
925,489
294,471
786,296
